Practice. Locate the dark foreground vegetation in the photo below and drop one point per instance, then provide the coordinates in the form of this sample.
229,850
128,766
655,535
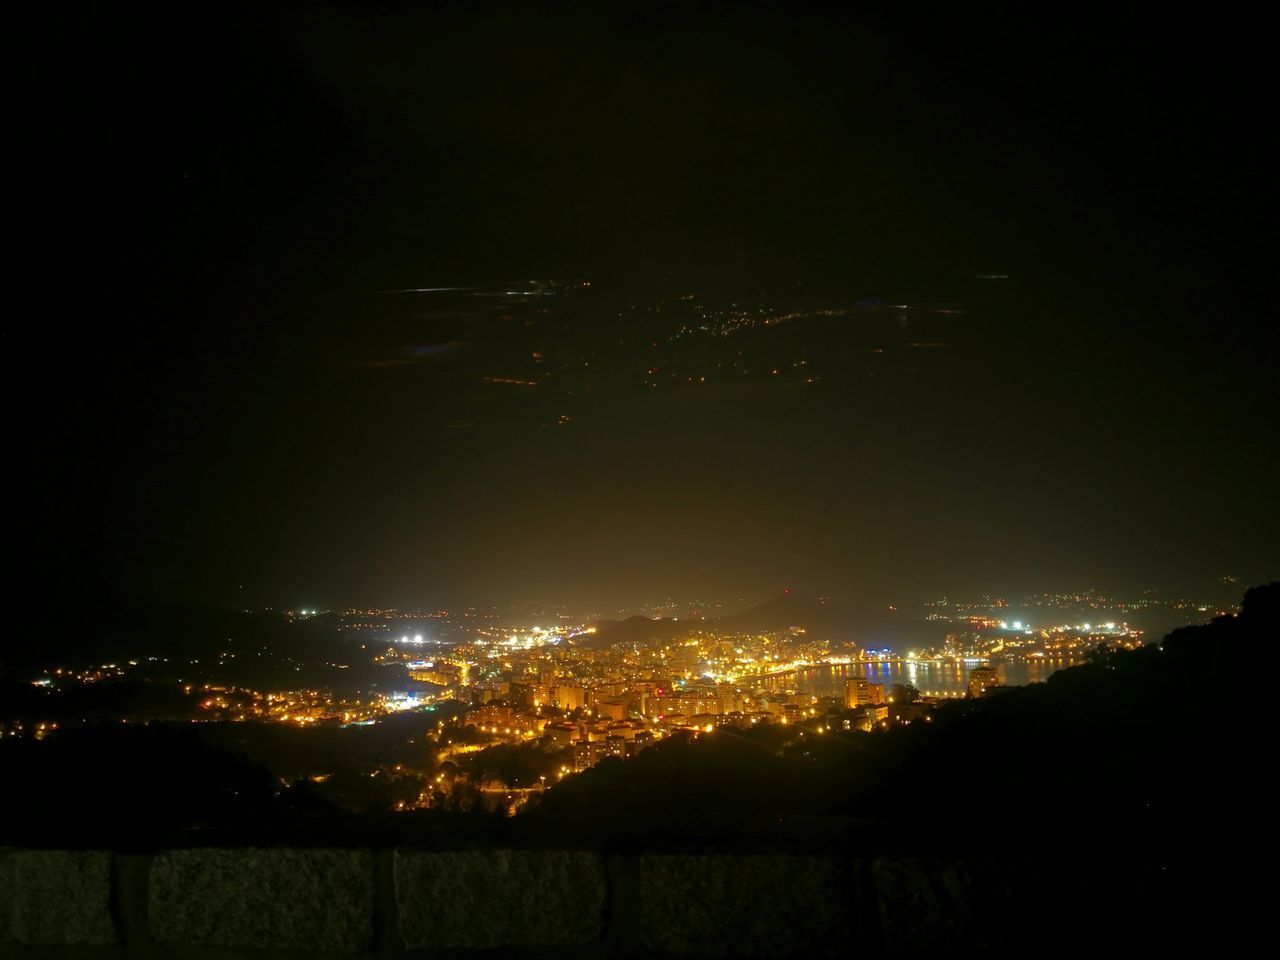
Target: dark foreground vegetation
1132,735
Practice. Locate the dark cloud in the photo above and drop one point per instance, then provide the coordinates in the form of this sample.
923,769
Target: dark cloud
209,389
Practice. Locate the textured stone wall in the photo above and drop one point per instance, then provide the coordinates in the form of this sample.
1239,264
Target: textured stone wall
254,902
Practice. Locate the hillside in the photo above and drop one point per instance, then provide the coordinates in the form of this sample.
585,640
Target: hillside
835,621
1130,738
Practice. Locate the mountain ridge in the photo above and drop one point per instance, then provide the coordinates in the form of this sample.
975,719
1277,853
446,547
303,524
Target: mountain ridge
837,622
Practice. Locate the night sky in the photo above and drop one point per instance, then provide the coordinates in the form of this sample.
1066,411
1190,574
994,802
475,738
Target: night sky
1015,273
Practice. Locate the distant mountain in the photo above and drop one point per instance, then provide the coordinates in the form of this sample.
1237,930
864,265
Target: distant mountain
179,631
835,621
636,629
787,610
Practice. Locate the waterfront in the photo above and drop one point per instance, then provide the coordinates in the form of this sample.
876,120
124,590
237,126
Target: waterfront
946,677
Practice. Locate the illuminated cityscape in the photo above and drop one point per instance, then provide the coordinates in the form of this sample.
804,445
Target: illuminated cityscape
571,694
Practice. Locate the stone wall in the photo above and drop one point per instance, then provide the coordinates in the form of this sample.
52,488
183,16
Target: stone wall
208,902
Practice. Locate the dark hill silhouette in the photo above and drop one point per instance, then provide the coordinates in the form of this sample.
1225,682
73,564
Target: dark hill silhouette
839,621
1146,737
180,634
636,629
836,621
786,610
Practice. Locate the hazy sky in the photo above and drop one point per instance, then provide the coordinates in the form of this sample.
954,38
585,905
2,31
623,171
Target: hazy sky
1014,276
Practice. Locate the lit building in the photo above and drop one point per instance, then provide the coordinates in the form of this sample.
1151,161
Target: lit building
522,696
491,714
561,733
439,675
587,753
982,680
776,704
569,698
482,695
859,691
612,709
859,720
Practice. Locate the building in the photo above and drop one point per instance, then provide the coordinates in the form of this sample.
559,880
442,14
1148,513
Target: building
776,703
859,720
859,691
561,733
982,680
522,696
491,714
569,698
442,676
587,753
612,709
482,695
527,723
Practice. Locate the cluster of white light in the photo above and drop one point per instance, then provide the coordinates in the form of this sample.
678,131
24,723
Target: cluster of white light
1109,627
397,704
537,637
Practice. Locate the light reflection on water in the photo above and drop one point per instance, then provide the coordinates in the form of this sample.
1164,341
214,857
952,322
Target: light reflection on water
930,676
